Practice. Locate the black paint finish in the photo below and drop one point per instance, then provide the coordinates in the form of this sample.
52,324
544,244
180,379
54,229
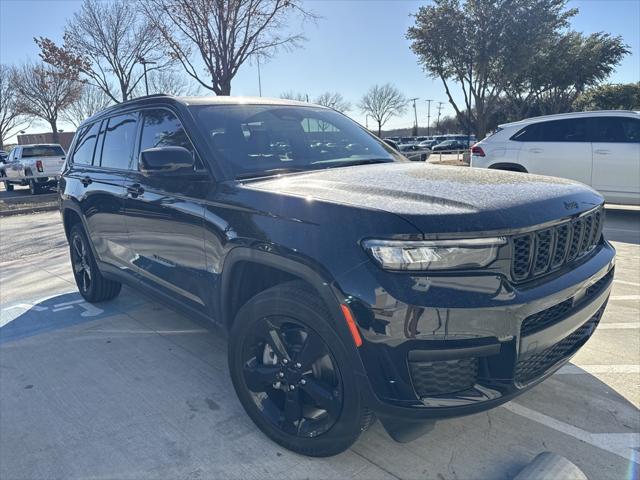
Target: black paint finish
187,238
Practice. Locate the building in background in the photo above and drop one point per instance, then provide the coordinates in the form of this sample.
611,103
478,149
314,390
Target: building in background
30,138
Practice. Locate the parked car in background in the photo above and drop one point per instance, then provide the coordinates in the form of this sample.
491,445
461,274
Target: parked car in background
600,149
3,156
452,146
392,143
414,152
38,166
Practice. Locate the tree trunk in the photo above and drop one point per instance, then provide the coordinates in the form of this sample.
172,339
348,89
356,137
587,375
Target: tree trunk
379,129
54,130
225,87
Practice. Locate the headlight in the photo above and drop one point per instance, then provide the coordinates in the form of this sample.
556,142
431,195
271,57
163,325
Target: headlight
434,255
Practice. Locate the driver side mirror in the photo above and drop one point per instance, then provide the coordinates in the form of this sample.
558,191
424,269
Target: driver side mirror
166,160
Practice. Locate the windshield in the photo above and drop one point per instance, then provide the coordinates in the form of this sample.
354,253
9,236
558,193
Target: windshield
259,140
43,151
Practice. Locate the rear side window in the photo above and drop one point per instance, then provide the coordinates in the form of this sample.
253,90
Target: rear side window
119,140
83,154
616,130
569,130
43,151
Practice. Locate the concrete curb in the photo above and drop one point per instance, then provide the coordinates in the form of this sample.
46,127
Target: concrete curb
28,210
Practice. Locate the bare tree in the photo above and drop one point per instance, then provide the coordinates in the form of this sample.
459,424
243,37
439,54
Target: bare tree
334,100
91,101
170,82
223,34
107,42
11,119
297,96
44,92
383,102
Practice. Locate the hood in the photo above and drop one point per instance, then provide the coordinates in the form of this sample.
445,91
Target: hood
442,199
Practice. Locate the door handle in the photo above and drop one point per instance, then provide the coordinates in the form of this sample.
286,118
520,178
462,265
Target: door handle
602,152
535,150
86,181
135,190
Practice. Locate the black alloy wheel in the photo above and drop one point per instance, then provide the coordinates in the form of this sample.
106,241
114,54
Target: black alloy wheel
293,372
92,285
80,263
293,378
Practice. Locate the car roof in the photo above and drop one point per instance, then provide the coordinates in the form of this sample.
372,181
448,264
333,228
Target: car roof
560,116
161,98
41,145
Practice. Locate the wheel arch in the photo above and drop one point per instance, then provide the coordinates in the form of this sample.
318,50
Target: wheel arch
243,266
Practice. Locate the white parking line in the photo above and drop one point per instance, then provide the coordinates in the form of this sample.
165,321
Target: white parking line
591,369
624,297
624,282
619,326
621,444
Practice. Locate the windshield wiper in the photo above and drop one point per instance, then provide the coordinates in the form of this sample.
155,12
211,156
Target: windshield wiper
268,173
368,161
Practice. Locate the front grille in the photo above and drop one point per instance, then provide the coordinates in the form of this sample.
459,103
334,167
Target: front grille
443,377
534,366
537,253
541,320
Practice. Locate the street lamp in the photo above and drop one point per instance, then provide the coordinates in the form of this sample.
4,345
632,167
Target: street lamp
144,64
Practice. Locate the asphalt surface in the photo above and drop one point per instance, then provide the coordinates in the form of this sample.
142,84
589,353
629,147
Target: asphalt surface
131,389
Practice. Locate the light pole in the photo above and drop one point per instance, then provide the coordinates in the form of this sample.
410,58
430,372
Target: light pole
259,78
144,64
438,121
415,113
428,117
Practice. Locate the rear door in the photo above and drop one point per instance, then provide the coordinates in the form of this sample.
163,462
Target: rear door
560,148
13,168
616,158
99,166
165,217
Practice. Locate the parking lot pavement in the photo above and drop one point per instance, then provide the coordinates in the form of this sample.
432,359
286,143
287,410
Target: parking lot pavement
131,389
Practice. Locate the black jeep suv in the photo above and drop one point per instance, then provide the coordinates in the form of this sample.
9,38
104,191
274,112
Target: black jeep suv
353,283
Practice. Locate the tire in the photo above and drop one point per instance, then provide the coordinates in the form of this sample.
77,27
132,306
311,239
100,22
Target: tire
293,312
34,188
91,284
7,185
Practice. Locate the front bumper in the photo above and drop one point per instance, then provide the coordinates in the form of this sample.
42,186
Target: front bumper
438,347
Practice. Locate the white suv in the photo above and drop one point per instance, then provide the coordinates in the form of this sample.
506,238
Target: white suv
600,149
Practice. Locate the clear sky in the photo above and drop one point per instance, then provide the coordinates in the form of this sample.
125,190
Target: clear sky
355,44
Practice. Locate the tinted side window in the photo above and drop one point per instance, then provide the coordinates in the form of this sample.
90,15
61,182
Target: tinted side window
569,130
83,154
616,130
161,128
119,140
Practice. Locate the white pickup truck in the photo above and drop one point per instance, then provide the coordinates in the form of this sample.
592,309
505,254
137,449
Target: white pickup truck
38,166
